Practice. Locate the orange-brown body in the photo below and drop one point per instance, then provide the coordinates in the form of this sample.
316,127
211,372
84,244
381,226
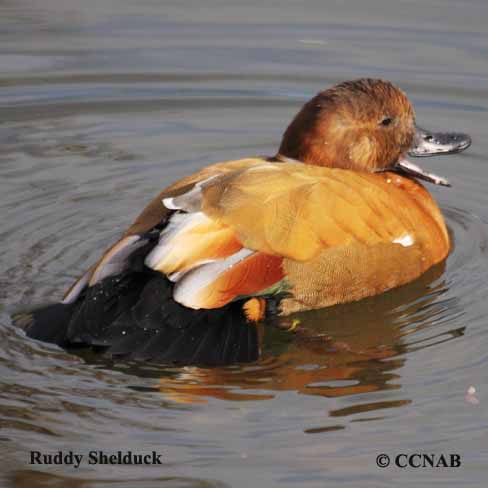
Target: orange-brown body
335,216
330,231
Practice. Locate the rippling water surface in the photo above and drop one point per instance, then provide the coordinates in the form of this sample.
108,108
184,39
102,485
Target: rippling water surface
102,103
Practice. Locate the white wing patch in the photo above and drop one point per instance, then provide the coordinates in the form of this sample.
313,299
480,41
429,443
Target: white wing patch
406,240
169,204
77,288
190,201
116,260
166,249
187,289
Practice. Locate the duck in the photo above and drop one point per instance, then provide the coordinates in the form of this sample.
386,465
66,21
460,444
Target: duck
338,214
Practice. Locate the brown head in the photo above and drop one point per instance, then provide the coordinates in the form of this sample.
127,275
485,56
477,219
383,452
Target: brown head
364,125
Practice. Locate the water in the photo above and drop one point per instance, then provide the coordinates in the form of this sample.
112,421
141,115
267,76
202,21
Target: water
102,103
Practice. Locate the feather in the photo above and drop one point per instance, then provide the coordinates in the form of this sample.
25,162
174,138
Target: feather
190,240
116,260
213,285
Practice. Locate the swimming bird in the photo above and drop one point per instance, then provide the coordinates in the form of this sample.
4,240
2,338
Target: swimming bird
337,215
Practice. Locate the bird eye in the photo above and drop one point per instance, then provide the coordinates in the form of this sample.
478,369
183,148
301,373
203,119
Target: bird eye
386,121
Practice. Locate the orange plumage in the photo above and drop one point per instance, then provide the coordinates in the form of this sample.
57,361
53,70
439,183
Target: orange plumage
335,229
336,215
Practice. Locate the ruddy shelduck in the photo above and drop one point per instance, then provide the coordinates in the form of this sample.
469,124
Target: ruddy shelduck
337,215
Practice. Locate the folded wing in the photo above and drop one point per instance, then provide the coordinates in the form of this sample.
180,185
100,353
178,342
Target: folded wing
251,228
240,233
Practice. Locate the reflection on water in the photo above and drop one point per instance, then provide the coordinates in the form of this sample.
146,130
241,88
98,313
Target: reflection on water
331,353
104,102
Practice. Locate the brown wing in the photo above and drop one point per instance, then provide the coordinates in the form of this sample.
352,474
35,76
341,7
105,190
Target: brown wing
297,211
329,235
114,259
156,212
343,235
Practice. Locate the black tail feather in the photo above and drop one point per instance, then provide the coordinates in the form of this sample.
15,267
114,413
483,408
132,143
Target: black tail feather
134,316
48,323
158,328
101,305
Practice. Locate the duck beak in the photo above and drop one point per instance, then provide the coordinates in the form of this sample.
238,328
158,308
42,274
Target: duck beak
405,166
428,143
